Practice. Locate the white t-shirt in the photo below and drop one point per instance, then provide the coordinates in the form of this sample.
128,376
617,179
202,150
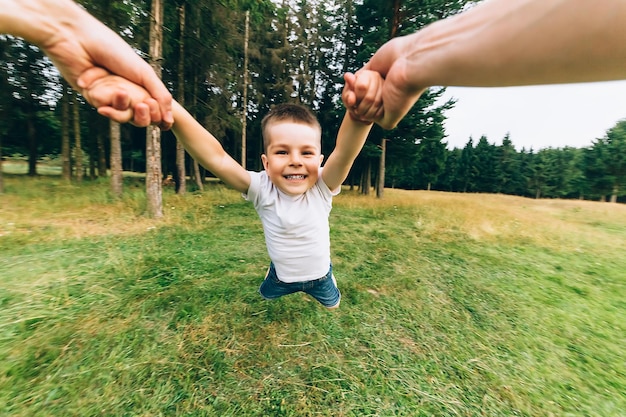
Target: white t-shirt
297,233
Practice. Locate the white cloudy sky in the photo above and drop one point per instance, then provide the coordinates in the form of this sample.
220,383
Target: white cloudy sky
537,116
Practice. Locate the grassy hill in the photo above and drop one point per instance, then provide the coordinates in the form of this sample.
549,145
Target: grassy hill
453,305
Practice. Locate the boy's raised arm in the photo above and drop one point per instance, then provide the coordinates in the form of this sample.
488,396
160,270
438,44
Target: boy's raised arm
207,150
363,90
116,98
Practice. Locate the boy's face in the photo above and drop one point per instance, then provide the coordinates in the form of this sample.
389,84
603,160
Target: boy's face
293,156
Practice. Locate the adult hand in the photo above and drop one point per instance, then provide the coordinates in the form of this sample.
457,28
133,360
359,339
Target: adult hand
501,43
76,42
119,99
399,92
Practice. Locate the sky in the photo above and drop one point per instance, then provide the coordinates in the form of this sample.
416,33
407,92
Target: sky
535,117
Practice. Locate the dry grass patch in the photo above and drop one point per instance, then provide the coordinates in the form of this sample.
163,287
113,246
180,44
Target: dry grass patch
445,216
55,210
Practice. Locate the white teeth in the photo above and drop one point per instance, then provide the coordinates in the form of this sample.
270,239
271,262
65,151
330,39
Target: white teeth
294,177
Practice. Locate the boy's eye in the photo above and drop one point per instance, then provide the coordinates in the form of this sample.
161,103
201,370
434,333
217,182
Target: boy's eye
281,152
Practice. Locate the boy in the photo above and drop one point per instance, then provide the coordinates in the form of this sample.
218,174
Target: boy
293,195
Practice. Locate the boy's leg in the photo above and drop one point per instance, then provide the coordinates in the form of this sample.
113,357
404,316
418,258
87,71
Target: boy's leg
273,288
325,291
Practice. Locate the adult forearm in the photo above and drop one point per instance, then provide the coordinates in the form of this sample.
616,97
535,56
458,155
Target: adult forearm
504,43
521,42
37,21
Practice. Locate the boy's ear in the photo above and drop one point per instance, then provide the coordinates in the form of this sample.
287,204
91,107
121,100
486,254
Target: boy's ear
264,160
321,159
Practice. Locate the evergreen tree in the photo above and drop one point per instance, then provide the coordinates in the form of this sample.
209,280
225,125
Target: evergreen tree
298,50
508,169
379,22
610,163
467,168
576,182
538,176
525,160
598,180
32,85
486,163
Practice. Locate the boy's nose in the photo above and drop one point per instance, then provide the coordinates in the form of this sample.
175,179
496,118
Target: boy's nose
295,159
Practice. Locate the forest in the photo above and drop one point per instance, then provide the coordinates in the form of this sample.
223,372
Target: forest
229,61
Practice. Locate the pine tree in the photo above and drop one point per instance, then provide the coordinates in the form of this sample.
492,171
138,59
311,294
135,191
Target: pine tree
485,166
610,154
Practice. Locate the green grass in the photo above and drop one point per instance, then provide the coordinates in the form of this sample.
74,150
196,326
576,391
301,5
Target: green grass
453,305
20,166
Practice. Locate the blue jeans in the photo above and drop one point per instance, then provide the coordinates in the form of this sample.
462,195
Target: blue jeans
323,289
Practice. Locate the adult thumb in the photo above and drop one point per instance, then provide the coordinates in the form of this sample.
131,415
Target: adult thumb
383,60
398,96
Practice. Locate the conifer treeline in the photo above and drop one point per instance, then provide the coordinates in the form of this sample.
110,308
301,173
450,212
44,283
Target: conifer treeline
298,51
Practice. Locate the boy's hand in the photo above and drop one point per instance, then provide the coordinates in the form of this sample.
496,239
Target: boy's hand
121,100
362,96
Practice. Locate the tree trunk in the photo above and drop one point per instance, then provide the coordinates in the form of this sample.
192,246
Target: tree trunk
197,172
366,179
1,175
116,159
154,192
102,157
66,159
92,167
349,10
32,144
614,194
197,175
396,19
244,101
181,174
380,188
78,150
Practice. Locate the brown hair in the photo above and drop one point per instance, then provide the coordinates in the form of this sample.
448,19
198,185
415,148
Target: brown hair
288,112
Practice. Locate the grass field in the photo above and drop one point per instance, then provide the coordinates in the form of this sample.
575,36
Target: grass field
453,305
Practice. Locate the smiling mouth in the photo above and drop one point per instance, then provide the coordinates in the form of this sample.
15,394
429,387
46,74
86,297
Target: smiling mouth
295,177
